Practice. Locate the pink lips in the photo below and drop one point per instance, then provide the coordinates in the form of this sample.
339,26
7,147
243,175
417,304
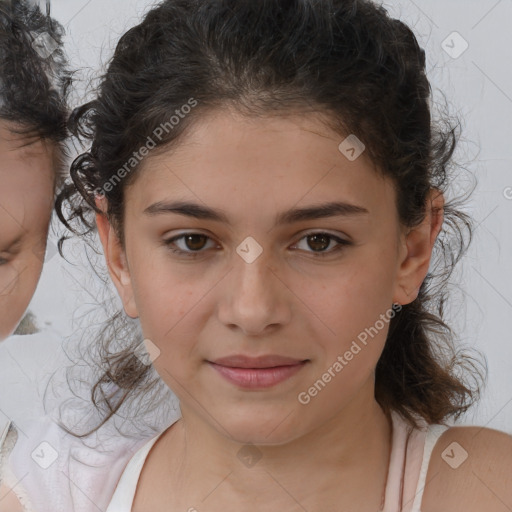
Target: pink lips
257,372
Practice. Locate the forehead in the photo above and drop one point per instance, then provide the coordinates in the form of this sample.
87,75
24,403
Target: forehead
14,139
241,163
27,175
24,151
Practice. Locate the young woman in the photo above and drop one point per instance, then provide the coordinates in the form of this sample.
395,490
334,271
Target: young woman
33,84
269,188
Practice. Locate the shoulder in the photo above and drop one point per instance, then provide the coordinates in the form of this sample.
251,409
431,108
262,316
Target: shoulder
24,463
470,470
47,458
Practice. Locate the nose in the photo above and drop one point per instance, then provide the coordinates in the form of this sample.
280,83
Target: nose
254,297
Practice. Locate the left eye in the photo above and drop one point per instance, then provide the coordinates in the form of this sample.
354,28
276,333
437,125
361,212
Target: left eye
194,242
321,241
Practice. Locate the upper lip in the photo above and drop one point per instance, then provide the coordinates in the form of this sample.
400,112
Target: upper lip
242,361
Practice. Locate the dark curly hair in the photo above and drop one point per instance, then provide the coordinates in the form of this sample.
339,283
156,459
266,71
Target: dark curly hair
34,79
346,59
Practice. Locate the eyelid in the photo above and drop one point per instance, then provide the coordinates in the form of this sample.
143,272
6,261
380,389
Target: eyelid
13,248
319,231
300,235
338,238
8,255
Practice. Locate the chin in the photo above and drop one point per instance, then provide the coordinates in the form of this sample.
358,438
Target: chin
260,429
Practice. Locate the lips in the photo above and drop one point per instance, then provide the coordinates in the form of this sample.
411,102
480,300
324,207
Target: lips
257,372
271,361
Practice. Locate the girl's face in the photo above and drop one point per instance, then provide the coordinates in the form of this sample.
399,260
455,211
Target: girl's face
265,271
27,178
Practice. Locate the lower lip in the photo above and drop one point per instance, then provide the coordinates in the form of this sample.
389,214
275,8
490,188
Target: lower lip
252,378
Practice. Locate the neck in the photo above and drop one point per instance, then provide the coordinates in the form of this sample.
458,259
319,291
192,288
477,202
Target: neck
348,457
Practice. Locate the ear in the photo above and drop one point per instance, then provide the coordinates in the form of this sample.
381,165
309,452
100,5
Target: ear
417,250
116,259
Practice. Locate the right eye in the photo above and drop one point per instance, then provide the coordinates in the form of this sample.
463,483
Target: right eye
193,239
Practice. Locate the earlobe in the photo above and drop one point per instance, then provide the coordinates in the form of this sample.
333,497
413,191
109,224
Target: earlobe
117,264
417,246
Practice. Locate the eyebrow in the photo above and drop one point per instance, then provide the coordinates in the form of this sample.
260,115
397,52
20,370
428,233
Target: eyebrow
313,212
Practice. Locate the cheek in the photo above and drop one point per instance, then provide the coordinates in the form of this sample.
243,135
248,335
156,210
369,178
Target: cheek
162,300
355,309
18,282
168,304
10,304
350,299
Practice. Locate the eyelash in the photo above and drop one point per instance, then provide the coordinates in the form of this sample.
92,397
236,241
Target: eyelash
192,254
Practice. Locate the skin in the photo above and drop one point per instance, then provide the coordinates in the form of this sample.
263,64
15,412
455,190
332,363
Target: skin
26,199
334,451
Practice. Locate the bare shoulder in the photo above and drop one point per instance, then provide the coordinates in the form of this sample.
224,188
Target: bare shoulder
8,500
470,470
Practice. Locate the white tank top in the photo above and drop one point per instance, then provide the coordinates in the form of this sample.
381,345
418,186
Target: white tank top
410,456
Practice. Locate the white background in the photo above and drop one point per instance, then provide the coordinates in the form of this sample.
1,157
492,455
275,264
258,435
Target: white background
478,85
